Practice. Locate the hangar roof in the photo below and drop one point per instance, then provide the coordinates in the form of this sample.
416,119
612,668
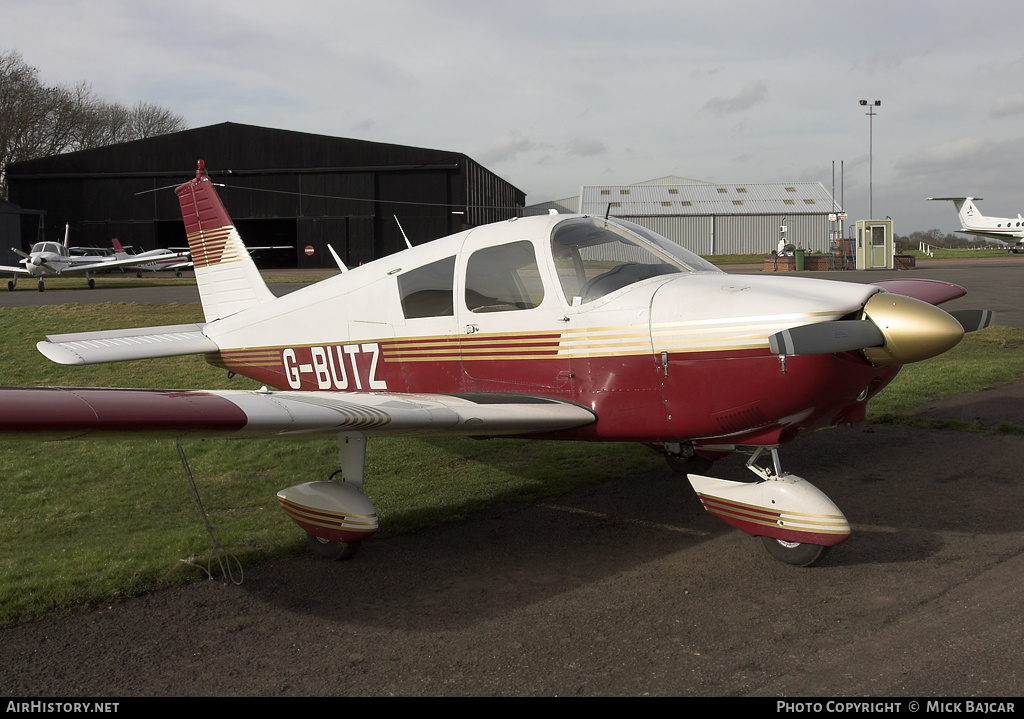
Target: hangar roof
707,199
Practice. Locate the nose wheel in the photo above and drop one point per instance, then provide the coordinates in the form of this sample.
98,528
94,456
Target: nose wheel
335,551
799,554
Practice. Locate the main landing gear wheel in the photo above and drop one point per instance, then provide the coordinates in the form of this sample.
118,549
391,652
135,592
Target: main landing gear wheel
799,554
336,551
687,465
92,283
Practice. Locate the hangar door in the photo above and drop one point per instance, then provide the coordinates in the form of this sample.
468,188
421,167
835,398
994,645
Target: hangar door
351,238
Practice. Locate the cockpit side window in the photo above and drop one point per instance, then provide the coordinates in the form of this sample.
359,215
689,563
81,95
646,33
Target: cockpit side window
504,278
428,291
594,258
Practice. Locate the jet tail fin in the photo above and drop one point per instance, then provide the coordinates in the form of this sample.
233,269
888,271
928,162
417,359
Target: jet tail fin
965,208
227,277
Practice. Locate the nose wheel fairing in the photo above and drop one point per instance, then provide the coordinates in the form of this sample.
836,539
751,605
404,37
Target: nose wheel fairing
786,507
782,506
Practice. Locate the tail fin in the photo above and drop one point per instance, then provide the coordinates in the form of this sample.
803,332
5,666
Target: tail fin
965,208
227,277
118,248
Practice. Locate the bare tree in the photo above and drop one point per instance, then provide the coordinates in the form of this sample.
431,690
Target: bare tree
38,121
149,120
23,108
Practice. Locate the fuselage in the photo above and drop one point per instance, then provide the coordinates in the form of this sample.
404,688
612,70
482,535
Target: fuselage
51,258
659,343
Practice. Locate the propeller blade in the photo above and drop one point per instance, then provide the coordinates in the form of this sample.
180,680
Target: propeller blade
826,338
972,320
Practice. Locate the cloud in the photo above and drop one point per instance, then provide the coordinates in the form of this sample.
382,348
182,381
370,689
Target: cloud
752,94
1008,105
505,149
961,156
586,147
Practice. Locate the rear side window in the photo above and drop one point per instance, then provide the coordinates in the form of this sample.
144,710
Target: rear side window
504,278
428,291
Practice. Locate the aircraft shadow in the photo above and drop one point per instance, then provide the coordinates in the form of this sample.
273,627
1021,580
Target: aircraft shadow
906,491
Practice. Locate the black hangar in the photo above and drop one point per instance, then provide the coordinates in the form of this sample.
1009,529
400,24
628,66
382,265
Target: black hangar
291,192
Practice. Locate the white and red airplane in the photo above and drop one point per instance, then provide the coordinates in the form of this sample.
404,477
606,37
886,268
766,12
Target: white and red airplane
153,260
50,259
557,326
1009,230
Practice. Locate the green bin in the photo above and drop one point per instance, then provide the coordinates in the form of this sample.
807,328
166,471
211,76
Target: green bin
799,255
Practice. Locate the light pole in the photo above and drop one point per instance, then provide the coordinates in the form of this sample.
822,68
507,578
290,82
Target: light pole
871,154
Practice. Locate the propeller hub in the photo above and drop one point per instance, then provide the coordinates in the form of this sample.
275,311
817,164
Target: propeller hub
913,330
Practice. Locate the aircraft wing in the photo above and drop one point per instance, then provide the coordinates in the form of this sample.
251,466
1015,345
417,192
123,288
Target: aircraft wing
20,270
71,412
102,265
934,292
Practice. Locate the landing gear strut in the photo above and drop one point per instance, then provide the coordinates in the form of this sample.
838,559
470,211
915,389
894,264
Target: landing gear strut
683,459
799,554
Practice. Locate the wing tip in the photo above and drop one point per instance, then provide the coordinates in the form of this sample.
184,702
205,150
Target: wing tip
59,353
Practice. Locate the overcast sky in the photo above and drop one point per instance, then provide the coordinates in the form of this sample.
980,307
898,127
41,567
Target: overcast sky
554,95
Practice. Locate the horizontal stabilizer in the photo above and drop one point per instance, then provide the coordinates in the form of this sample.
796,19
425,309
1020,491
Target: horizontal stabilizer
826,338
117,345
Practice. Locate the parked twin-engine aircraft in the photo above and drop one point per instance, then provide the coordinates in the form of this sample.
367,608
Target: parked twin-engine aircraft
1007,229
49,259
558,326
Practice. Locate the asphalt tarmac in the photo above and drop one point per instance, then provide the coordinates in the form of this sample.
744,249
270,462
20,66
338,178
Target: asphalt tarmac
627,588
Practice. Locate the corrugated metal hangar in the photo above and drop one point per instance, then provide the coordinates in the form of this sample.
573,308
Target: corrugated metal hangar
282,188
715,218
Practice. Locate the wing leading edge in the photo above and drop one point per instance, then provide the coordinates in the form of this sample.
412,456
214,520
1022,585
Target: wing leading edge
71,412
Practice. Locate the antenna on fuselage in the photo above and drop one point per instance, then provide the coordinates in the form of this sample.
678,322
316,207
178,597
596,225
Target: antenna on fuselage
341,265
407,243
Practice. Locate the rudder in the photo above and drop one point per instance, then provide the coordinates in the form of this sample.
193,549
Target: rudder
225,273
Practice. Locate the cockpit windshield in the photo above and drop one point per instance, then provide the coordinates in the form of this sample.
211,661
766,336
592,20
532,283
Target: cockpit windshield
595,257
53,247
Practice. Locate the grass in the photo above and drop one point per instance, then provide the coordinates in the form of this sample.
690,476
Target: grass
148,279
981,361
90,522
941,253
